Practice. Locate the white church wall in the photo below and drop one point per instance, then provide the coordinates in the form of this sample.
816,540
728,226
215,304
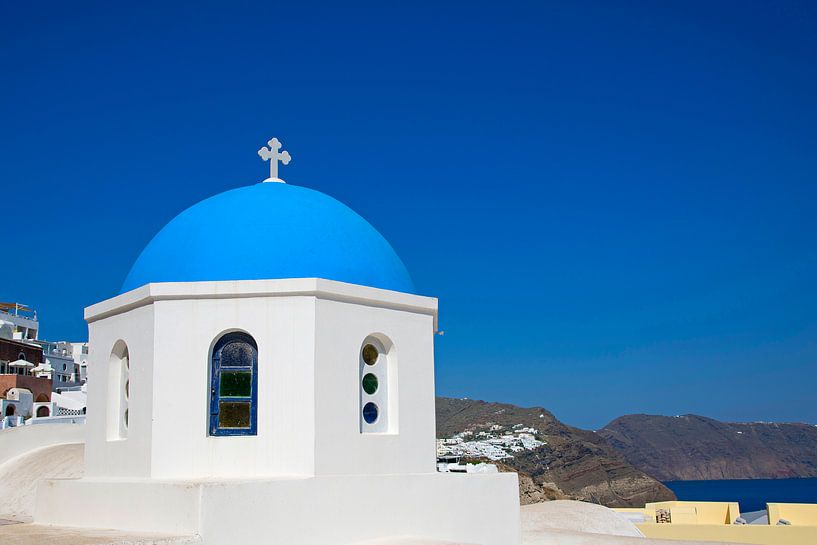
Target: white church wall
407,444
186,330
112,452
307,423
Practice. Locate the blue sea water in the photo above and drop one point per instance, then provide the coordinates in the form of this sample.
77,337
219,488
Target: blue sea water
752,494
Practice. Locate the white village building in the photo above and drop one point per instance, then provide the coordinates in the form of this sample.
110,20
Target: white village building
266,376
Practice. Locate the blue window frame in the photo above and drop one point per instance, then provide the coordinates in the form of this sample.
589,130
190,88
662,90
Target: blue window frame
234,385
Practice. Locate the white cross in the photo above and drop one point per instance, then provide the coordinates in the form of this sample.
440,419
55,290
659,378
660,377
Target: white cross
271,154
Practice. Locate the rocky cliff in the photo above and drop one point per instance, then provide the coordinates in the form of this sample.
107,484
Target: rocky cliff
572,463
693,447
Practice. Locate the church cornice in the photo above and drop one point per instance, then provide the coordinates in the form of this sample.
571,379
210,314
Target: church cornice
237,289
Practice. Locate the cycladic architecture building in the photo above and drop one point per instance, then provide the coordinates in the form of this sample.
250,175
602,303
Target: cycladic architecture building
266,376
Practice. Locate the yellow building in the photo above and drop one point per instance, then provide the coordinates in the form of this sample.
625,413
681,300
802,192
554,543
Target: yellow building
786,523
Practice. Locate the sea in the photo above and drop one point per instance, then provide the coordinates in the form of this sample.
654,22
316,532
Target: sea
751,494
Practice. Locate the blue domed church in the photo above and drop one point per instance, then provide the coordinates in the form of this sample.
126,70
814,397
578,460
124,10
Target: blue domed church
266,376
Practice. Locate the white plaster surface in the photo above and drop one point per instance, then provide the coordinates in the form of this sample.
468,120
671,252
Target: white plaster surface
29,454
336,509
24,439
408,540
533,534
409,444
34,534
565,522
578,516
19,476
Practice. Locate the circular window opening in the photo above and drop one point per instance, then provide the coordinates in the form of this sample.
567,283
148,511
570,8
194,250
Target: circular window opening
370,383
370,354
370,413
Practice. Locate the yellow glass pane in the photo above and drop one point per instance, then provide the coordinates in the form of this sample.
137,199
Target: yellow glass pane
233,414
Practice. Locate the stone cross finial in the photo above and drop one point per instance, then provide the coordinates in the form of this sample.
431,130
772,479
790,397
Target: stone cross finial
272,155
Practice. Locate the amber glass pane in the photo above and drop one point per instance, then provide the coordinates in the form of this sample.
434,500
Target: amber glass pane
235,384
370,354
237,354
369,383
233,415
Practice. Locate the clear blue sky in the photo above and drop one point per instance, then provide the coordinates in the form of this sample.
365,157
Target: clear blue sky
616,203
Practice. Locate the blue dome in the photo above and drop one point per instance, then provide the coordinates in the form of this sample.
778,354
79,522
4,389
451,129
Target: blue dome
270,230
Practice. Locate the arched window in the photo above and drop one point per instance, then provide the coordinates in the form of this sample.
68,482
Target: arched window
118,391
234,385
373,382
42,411
9,410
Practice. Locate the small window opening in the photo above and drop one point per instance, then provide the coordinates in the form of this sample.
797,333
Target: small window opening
234,385
374,368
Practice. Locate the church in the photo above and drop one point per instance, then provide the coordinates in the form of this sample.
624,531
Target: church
266,376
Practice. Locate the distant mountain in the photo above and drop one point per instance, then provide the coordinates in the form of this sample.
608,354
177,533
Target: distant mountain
693,447
572,463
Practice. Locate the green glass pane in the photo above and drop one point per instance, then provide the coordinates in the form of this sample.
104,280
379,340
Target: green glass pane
369,383
232,414
235,384
370,354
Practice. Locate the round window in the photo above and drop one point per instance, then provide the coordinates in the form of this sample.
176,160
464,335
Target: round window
370,383
370,354
370,413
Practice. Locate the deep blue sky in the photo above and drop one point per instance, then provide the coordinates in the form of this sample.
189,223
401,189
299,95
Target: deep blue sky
616,203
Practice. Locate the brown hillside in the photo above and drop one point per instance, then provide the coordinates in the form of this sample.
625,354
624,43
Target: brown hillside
575,462
693,447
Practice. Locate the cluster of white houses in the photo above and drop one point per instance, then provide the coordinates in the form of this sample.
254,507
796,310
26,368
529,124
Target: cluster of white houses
494,444
39,380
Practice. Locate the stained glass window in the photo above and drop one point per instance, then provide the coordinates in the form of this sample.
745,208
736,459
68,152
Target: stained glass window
370,413
233,415
233,387
235,384
373,366
369,383
370,354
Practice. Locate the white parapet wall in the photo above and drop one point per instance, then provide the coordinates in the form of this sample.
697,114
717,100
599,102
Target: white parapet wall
29,454
25,439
